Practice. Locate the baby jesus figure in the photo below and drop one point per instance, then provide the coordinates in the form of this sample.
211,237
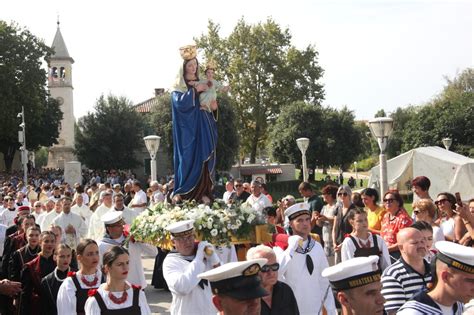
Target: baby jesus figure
208,98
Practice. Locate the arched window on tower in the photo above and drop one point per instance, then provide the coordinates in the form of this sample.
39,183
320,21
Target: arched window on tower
54,73
62,73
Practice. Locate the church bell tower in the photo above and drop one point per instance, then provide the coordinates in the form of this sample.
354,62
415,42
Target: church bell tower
60,87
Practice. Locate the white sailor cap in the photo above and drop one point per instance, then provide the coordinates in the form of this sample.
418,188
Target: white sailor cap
239,280
297,209
456,256
181,228
353,273
111,217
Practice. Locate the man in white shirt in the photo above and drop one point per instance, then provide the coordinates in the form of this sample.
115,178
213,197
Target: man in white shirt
37,209
48,219
229,189
96,226
302,262
115,236
72,224
139,201
157,195
127,214
181,268
48,207
81,209
257,200
8,215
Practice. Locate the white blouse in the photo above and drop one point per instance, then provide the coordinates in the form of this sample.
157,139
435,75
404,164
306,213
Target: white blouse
92,307
66,300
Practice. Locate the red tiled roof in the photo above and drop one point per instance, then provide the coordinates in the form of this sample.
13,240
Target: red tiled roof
260,170
145,106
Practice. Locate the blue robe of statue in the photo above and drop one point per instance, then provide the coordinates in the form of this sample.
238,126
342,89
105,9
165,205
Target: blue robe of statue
195,140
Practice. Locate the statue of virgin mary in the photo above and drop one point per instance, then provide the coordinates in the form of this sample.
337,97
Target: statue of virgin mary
194,134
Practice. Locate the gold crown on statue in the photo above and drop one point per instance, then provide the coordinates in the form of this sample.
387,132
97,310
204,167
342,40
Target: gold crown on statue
188,52
211,64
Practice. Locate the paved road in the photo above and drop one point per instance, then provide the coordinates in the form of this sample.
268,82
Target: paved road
159,300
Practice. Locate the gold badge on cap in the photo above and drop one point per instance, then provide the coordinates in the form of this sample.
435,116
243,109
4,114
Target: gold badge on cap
251,270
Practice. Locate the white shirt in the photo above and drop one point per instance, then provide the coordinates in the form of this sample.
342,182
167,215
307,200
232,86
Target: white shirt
7,216
136,250
92,307
83,211
127,214
48,220
226,254
348,249
158,197
96,226
66,300
258,203
309,290
41,217
447,227
138,199
227,195
182,280
64,220
3,231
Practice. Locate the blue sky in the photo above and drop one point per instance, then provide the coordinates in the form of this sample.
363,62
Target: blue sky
376,54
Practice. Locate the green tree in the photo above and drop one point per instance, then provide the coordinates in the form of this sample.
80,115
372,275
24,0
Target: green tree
265,73
109,137
380,113
447,115
23,83
401,118
227,142
334,138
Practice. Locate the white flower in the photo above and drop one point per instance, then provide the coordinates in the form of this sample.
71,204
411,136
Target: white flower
238,223
214,232
250,218
209,225
224,230
210,220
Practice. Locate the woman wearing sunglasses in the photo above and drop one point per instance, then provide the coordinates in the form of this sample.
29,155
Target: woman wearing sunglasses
280,299
425,210
341,226
394,220
451,223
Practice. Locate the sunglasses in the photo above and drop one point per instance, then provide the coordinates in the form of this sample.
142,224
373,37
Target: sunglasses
438,202
238,185
267,268
388,200
342,194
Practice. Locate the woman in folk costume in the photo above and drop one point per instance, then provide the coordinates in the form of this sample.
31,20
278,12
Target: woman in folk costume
51,283
117,296
194,134
32,273
72,294
361,242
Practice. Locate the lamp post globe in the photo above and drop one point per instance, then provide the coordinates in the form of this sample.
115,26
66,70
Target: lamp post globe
447,142
303,144
152,144
382,128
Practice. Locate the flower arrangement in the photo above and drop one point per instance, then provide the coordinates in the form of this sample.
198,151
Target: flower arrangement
219,224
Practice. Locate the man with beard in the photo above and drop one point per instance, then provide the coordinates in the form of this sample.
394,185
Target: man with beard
409,274
453,283
357,285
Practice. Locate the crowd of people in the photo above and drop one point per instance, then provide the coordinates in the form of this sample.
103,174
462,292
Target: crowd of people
67,249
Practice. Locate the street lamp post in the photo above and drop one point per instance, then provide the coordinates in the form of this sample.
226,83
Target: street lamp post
447,142
355,167
22,140
152,144
381,129
303,144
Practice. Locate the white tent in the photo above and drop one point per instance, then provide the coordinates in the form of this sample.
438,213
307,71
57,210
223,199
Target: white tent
447,171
